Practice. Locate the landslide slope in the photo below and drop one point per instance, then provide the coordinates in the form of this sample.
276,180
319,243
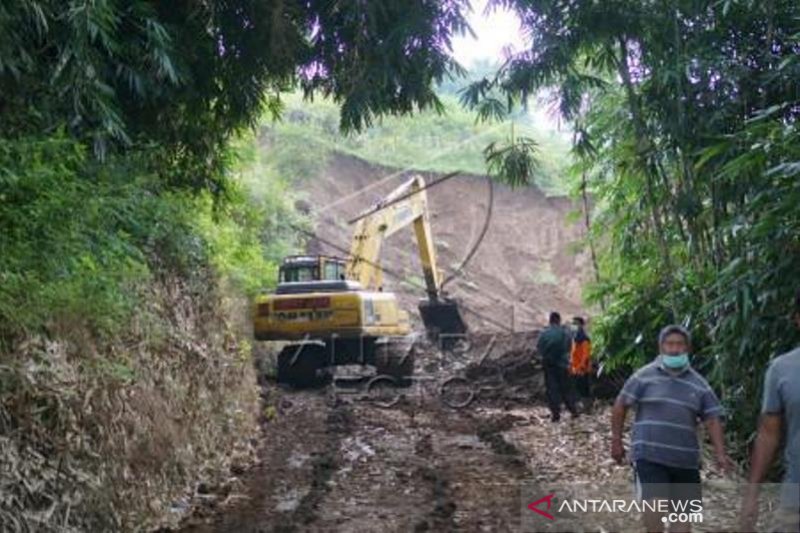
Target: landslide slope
525,264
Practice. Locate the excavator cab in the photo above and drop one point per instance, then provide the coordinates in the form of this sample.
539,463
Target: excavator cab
304,268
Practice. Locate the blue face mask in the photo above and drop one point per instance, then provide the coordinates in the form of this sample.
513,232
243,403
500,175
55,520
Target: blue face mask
675,361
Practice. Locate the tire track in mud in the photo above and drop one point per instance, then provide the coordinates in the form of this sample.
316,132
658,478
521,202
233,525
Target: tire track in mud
338,423
457,472
353,466
299,454
491,431
440,518
480,487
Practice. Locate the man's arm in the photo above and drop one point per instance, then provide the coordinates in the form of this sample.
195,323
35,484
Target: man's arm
715,432
540,344
769,428
766,446
568,338
629,395
618,413
767,442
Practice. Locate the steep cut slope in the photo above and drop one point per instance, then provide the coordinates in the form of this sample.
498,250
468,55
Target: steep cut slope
524,266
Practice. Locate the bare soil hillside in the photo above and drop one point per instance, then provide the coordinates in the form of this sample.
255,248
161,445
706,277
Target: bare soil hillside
524,266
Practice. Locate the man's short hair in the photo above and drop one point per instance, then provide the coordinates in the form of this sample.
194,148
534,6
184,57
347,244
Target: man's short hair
579,320
674,328
555,317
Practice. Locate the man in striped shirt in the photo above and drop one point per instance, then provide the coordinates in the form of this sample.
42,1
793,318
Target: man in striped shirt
670,397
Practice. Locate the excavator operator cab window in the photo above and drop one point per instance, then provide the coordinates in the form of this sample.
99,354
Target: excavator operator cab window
334,270
299,273
305,269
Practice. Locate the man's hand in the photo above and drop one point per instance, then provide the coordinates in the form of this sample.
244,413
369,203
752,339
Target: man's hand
617,423
617,451
714,427
749,512
725,463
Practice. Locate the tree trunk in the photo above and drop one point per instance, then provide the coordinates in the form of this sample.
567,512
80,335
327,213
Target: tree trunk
648,168
588,222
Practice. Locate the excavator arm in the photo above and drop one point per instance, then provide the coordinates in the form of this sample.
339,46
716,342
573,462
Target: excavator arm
406,205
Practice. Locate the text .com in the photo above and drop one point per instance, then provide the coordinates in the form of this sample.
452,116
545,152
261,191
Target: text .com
682,518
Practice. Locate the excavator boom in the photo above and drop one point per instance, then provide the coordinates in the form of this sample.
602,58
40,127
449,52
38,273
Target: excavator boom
406,205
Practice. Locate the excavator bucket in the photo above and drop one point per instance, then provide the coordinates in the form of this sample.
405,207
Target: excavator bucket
442,317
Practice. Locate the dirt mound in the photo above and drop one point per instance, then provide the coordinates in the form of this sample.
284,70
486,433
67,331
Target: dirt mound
501,368
524,267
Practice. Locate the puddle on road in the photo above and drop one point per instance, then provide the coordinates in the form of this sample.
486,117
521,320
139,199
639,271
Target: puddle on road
298,459
289,500
461,441
355,449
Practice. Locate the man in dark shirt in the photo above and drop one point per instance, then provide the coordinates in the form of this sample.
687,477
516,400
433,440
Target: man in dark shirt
554,347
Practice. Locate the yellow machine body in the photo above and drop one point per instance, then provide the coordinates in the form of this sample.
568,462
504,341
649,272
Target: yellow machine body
321,315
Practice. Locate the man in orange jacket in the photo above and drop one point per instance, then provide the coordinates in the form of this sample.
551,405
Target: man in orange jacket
581,360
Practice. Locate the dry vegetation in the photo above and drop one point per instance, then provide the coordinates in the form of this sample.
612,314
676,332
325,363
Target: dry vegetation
96,438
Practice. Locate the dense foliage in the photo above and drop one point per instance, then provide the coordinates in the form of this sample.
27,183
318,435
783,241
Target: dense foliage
134,207
686,118
183,75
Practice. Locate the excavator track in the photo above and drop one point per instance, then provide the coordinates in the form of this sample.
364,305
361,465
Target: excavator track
395,358
303,365
310,364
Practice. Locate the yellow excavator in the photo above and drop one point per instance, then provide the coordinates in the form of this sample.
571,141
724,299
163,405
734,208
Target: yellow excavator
334,311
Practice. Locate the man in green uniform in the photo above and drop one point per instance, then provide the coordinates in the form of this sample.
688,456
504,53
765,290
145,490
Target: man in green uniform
554,347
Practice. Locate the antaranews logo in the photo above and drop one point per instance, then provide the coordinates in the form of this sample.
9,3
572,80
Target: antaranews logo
618,505
534,506
586,510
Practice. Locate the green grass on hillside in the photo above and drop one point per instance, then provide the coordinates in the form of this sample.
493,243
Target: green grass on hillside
309,131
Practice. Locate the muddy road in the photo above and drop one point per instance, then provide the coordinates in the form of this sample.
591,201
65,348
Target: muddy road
349,465
349,458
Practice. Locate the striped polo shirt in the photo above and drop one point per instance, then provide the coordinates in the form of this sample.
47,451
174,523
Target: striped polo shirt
668,407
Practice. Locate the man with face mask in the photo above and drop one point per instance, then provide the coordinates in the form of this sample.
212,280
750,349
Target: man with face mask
670,397
581,362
